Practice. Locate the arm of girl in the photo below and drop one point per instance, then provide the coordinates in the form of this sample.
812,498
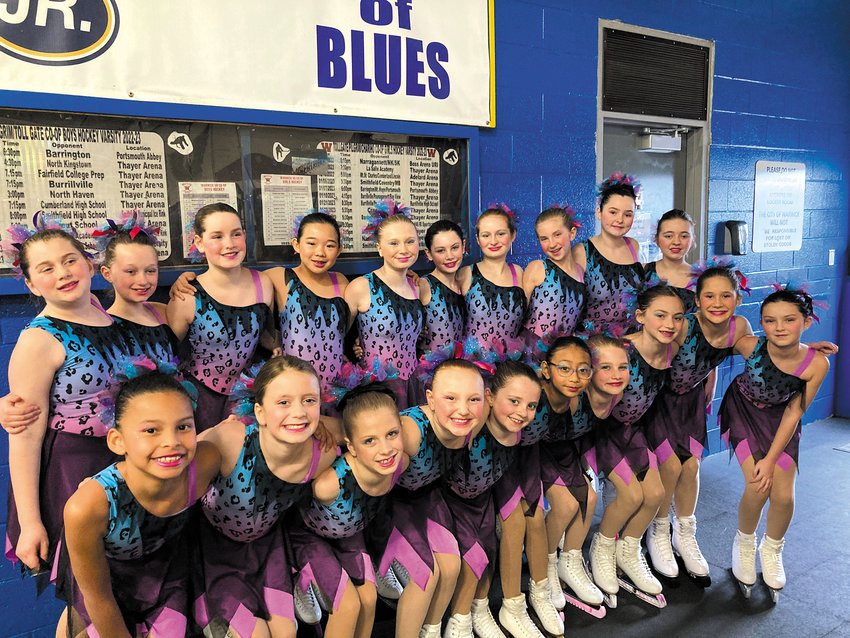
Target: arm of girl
281,291
86,519
208,462
424,291
326,486
410,436
227,438
268,288
534,275
16,414
745,345
183,287
33,384
357,297
180,314
813,376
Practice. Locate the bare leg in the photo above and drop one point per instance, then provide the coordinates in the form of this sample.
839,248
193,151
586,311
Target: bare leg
279,627
580,527
536,545
781,508
622,508
653,494
671,471
687,491
366,618
343,620
467,585
413,606
449,570
562,513
510,551
752,502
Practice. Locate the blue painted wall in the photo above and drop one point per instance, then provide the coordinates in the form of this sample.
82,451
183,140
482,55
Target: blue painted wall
780,93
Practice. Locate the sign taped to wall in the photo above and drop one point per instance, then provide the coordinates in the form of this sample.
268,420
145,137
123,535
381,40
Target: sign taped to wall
778,208
423,60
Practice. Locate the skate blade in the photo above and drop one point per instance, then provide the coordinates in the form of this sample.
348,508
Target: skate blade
699,580
671,581
656,601
392,603
596,612
610,600
746,590
774,595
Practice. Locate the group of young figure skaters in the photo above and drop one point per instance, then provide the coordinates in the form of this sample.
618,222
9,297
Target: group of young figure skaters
169,485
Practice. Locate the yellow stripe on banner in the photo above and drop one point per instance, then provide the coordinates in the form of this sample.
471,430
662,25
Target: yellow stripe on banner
491,14
67,54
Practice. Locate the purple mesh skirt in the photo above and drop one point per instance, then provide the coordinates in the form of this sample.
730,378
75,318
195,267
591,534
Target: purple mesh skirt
749,429
417,525
621,449
211,408
66,460
520,481
152,591
561,464
475,529
676,424
328,563
240,582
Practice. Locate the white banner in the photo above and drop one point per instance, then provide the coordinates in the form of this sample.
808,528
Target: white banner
423,60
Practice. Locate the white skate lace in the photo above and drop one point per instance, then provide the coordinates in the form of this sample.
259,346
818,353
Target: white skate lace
306,605
661,531
456,628
774,556
580,580
522,627
544,608
747,553
388,586
688,541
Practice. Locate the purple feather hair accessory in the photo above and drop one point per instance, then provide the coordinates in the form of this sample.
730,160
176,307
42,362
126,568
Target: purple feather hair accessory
353,376
242,394
18,234
501,207
569,212
802,290
132,222
617,179
630,295
470,349
381,212
134,367
726,263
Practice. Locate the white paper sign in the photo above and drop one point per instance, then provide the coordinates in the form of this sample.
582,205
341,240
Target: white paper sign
423,60
196,195
284,198
84,175
778,209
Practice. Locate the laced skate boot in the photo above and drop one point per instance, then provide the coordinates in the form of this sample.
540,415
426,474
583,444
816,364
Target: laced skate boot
660,549
555,585
631,561
541,602
744,561
306,606
483,623
685,545
458,626
430,631
515,619
603,566
572,570
388,586
772,570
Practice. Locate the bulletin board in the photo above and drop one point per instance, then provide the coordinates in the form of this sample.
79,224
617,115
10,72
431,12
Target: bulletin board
90,167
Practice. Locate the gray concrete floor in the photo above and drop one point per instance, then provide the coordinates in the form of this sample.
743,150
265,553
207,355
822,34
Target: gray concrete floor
814,602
